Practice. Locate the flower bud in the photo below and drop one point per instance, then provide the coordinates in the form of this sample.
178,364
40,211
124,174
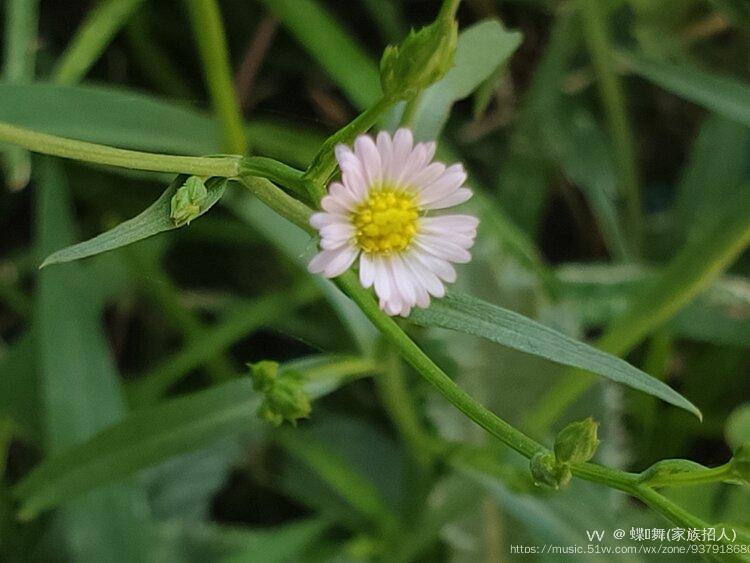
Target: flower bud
284,395
188,201
577,442
546,470
421,59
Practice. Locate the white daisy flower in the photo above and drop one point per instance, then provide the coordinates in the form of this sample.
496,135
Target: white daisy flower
381,213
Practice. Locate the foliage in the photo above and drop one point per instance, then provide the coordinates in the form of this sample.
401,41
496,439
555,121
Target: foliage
610,156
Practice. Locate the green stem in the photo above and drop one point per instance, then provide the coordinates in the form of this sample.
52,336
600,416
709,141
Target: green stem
21,23
593,13
209,33
226,166
324,163
279,173
395,396
92,38
284,204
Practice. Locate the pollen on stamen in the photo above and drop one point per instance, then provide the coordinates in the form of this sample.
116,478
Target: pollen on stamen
386,221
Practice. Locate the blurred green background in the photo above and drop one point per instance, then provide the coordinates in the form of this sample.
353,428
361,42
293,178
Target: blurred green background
609,143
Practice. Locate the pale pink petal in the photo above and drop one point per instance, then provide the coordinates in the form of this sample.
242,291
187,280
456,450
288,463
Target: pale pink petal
382,279
443,249
321,219
458,197
366,270
452,179
385,148
442,268
427,175
449,224
368,155
332,263
332,204
427,278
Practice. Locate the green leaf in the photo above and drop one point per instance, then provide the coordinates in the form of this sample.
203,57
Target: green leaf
79,387
737,428
19,393
154,434
474,316
156,219
722,94
481,49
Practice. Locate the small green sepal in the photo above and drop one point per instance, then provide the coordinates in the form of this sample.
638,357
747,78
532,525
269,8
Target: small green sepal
577,442
187,203
420,60
546,470
285,398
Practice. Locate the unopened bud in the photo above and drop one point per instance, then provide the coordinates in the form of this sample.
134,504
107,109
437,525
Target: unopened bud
546,470
187,202
421,59
285,397
577,442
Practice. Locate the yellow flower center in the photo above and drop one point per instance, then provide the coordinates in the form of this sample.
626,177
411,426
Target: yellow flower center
386,221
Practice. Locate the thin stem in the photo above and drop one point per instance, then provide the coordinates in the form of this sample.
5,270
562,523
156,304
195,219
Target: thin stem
613,98
209,33
395,396
285,205
324,163
21,23
226,167
92,38
279,173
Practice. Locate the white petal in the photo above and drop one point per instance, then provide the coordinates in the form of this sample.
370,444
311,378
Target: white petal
448,224
456,198
385,148
343,194
332,204
321,219
332,263
366,270
443,249
427,175
382,279
441,268
427,278
404,280
368,155
336,235
452,179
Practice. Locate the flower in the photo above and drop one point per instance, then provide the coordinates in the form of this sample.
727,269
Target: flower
380,212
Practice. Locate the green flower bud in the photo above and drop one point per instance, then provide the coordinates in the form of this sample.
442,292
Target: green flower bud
187,202
546,470
577,442
285,396
421,59
263,375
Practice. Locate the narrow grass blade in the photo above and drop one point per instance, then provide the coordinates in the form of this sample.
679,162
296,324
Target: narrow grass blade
92,38
724,95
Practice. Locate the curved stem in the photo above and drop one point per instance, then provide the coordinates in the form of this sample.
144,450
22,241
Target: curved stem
225,166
